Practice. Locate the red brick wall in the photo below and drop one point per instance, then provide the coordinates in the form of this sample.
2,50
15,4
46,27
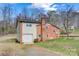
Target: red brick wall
39,32
52,32
49,31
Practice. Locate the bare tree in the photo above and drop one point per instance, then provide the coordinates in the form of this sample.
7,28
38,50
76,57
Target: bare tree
53,17
4,12
66,15
24,14
7,18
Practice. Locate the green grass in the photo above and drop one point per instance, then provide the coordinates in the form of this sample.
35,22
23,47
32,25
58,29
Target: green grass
66,46
75,30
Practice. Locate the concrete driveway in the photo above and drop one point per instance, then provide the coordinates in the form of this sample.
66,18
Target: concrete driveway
40,51
33,50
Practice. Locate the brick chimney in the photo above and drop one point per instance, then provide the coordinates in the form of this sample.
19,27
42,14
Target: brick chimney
43,33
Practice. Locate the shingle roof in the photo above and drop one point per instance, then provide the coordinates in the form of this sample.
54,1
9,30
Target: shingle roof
28,21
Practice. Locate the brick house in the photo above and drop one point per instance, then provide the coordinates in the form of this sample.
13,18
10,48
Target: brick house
28,31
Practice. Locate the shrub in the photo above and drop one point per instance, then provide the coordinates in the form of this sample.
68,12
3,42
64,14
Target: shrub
36,40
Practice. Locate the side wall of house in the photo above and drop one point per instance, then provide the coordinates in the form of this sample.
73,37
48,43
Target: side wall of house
49,32
52,31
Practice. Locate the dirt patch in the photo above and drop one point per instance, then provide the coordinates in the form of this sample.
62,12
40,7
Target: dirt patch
7,49
7,52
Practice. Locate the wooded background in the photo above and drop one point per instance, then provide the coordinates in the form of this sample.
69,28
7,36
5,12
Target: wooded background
63,18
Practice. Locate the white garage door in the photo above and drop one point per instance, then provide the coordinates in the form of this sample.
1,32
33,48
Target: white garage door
27,39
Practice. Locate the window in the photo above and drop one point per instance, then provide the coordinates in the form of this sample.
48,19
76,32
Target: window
39,35
47,35
53,30
28,25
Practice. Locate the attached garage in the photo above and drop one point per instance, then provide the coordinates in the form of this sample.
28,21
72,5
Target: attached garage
27,39
27,32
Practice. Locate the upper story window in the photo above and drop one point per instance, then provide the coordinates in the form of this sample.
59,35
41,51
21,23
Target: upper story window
47,35
28,25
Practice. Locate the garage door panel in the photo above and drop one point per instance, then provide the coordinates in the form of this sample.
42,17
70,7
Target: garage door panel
27,39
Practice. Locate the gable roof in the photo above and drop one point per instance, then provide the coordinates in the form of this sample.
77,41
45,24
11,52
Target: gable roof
56,27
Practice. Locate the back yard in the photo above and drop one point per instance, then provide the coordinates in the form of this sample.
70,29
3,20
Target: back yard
60,46
66,46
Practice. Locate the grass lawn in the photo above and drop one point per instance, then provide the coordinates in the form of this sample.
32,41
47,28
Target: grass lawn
66,46
75,30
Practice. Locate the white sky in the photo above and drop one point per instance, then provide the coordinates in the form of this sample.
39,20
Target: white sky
46,6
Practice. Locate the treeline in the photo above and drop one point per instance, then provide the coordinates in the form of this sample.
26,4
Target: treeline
6,20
